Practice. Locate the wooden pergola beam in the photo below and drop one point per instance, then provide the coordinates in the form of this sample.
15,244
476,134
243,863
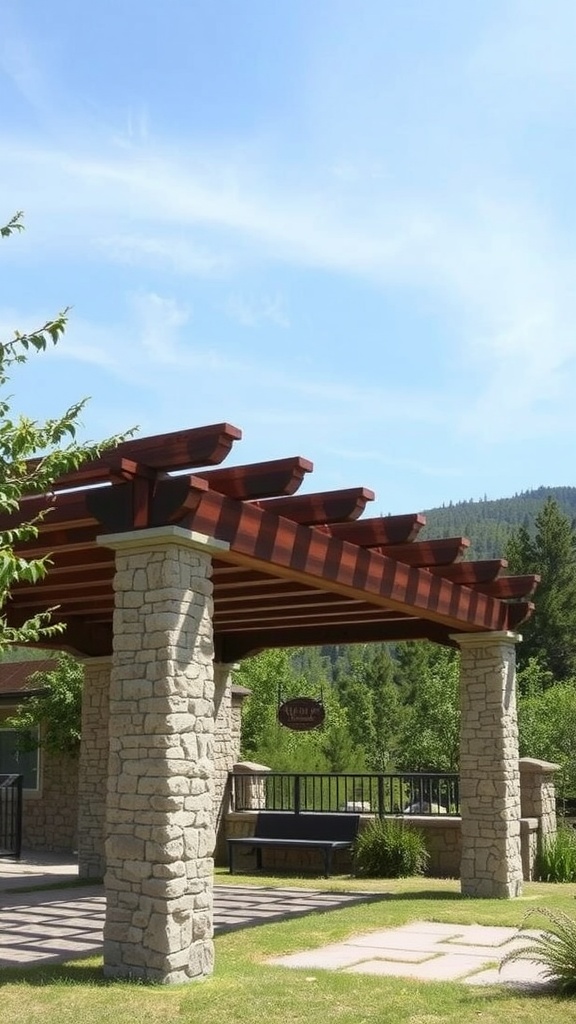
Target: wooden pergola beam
470,573
234,647
259,540
427,553
259,480
59,587
301,613
510,587
176,451
370,533
485,577
324,507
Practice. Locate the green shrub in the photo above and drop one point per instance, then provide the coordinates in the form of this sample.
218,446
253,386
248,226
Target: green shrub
554,949
557,858
388,848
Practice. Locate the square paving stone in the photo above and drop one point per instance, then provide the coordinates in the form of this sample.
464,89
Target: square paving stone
442,968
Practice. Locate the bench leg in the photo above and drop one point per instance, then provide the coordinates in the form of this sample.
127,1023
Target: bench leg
230,858
259,858
327,863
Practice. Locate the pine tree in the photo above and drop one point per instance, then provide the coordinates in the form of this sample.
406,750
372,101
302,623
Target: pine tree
550,635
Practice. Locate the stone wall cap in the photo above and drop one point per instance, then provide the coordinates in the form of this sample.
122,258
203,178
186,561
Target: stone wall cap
240,691
532,764
250,766
429,820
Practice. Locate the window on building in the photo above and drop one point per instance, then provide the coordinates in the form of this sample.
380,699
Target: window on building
14,761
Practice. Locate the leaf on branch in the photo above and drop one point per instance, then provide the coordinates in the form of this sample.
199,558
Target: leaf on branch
14,224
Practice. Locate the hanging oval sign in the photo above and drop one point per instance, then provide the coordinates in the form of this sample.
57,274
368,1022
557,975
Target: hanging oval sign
301,713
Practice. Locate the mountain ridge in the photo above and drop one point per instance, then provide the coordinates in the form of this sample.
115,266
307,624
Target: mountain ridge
488,523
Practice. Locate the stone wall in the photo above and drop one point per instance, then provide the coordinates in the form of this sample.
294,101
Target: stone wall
50,812
228,701
49,815
93,768
443,837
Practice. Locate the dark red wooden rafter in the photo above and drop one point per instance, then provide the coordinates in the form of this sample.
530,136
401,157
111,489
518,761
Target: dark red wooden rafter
259,480
370,533
172,452
233,647
510,587
469,573
424,553
265,541
318,509
300,569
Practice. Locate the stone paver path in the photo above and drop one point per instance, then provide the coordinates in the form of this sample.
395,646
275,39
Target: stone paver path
428,952
51,926
45,927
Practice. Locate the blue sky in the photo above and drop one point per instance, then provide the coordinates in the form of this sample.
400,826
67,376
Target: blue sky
347,227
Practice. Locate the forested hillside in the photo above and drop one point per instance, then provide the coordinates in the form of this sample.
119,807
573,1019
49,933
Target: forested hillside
488,524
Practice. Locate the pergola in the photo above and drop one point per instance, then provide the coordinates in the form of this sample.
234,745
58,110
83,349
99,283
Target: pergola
166,571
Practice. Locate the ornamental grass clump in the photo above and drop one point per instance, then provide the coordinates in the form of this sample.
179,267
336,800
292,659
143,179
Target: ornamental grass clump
389,849
557,858
554,950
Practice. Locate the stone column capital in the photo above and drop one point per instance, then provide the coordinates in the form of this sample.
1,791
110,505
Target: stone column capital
159,536
489,639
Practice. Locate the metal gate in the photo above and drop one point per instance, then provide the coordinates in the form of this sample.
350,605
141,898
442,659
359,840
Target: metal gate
10,815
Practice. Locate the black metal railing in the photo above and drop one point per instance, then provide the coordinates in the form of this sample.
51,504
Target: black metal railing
396,793
10,815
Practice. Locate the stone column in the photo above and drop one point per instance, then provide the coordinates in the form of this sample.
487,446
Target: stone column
250,785
93,767
160,833
538,793
491,862
225,753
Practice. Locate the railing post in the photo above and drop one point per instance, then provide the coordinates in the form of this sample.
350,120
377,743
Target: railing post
380,796
297,794
11,815
18,823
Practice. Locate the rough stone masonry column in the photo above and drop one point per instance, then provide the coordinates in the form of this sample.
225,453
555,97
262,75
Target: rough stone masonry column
491,862
226,750
93,767
160,790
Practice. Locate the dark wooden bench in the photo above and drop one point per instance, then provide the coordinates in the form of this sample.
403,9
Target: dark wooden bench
323,832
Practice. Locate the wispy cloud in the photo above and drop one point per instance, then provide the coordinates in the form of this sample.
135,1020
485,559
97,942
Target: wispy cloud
251,311
421,204
494,263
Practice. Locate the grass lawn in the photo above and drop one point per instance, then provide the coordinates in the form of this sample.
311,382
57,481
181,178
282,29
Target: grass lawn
246,990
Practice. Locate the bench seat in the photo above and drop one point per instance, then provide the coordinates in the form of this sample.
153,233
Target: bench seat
324,832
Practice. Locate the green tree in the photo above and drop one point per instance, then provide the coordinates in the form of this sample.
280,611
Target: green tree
277,674
33,455
388,713
547,727
429,740
57,712
367,688
550,635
